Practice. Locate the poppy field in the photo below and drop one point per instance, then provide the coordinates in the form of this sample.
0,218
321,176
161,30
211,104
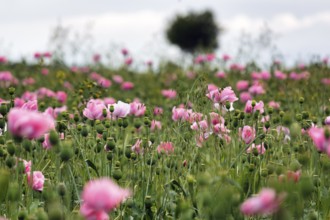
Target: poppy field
213,140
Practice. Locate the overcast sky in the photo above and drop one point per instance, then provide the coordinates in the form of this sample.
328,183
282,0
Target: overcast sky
301,27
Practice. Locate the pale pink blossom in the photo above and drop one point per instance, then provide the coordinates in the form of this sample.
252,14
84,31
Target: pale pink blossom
44,71
327,120
274,105
118,79
121,109
220,75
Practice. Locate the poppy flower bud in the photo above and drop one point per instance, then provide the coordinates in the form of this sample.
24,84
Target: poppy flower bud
117,174
3,109
53,138
10,148
61,189
66,153
11,90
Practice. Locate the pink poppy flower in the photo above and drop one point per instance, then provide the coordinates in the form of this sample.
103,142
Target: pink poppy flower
118,79
137,109
260,148
28,81
44,71
169,93
29,124
46,144
256,89
326,81
222,95
242,85
280,75
158,111
121,109
3,59
47,55
30,105
320,141
294,176
128,61
61,96
103,82
100,196
18,102
220,75
259,106
94,109
127,86
226,57
248,134
327,120
200,59
97,58
210,57
124,51
179,114
165,147
137,148
245,96
37,181
109,101
155,125
274,105
265,203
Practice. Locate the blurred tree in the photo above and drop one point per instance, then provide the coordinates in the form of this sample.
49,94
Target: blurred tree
194,32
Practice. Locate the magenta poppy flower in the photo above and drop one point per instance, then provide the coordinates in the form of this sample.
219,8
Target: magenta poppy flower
37,181
265,203
100,197
29,124
127,86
